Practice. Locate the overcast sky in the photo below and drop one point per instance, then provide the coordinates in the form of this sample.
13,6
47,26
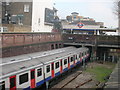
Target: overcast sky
100,10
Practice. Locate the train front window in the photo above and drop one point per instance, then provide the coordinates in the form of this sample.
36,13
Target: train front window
23,78
2,85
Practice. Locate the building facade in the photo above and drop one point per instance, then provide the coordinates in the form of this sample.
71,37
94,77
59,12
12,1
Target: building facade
119,16
35,14
75,18
0,12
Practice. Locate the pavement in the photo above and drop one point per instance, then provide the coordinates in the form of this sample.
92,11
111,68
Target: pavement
114,80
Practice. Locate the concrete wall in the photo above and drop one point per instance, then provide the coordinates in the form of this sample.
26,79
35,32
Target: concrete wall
39,15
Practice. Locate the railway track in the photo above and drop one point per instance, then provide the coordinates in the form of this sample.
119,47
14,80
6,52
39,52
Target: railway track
72,81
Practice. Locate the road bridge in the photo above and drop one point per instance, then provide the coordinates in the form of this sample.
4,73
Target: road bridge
102,46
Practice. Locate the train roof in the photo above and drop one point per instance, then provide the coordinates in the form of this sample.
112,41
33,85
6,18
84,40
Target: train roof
20,63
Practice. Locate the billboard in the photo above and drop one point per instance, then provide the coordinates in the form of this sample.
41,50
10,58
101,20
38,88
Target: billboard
49,15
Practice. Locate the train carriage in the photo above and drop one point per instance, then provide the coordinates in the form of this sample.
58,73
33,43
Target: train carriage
33,70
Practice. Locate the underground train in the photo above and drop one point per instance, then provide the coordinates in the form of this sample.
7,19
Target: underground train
33,70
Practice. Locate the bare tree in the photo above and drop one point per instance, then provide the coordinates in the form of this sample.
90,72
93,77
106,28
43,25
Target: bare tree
116,11
116,7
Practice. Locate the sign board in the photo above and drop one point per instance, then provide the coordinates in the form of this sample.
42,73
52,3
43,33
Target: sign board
80,25
49,15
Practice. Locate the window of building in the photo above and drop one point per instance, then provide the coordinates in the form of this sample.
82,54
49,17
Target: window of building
52,46
65,61
23,78
39,72
48,68
39,21
75,17
57,65
26,8
56,45
60,45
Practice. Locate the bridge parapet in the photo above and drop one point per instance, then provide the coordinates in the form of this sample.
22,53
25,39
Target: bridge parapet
91,39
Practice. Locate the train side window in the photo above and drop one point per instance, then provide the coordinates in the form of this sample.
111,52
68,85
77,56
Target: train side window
88,52
32,74
23,78
65,61
56,65
39,72
2,85
72,59
48,68
82,54
76,56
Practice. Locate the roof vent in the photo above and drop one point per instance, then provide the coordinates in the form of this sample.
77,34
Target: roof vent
56,57
22,67
12,60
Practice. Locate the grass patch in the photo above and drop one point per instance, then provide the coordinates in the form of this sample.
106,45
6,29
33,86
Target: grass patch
100,72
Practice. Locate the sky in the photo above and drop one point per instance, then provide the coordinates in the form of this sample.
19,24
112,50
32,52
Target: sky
99,10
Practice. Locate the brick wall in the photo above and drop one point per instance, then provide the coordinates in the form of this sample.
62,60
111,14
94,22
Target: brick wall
13,44
18,39
25,49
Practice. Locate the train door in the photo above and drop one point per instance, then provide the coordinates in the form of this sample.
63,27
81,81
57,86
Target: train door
61,66
74,59
52,67
2,85
68,62
32,78
13,82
